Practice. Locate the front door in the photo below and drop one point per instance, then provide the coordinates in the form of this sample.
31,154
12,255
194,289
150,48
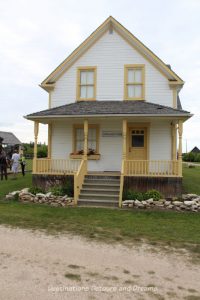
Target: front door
137,148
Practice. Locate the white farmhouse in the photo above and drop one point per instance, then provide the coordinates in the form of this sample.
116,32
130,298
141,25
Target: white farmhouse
114,118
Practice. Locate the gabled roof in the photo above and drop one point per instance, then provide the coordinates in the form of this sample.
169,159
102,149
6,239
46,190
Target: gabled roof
109,108
9,138
195,150
110,24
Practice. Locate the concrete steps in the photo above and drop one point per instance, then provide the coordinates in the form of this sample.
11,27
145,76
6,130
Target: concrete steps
100,190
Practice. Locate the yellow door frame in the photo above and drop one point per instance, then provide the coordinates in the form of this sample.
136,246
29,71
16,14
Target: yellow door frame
138,125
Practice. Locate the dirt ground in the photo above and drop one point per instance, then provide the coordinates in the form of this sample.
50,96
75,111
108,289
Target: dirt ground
38,266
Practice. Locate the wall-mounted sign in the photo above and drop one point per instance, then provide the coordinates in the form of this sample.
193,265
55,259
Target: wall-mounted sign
111,133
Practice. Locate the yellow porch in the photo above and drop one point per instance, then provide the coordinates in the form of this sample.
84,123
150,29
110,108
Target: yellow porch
142,166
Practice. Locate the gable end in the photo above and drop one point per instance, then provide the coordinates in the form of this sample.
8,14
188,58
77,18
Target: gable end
111,24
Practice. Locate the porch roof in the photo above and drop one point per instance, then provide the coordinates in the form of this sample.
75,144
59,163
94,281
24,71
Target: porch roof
109,108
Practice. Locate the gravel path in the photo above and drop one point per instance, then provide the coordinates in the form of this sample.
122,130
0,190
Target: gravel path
38,266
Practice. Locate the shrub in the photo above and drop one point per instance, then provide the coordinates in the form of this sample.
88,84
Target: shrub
135,195
198,157
69,189
63,190
42,153
152,194
57,191
191,157
35,190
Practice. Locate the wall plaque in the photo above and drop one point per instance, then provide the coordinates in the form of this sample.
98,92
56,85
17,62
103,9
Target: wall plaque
111,133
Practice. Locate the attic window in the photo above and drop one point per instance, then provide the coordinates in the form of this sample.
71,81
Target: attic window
134,82
86,83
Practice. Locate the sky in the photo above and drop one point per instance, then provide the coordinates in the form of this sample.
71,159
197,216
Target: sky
35,36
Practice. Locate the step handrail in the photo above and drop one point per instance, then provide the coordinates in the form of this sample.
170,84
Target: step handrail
79,179
121,183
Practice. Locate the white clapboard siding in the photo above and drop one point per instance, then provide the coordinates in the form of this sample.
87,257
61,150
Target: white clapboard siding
160,140
61,140
109,54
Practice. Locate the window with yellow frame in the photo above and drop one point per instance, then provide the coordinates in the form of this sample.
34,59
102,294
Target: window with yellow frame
93,140
134,82
86,83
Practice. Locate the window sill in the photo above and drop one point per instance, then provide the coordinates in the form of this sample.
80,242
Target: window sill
89,157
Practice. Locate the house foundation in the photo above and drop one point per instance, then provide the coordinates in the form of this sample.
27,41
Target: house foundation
169,187
45,182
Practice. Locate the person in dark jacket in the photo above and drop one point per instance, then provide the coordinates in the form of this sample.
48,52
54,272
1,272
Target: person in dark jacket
22,163
3,165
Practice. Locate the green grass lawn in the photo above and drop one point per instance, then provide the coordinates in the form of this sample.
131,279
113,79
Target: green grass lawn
168,227
191,180
105,224
11,184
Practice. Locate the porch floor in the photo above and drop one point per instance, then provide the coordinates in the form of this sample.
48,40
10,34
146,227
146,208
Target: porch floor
104,173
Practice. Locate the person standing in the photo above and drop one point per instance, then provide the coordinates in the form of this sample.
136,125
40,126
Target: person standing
15,162
3,165
23,164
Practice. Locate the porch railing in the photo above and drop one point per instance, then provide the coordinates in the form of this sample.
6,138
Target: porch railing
79,179
56,166
151,168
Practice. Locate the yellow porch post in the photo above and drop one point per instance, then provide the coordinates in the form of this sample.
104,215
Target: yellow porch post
49,139
180,133
85,139
36,131
124,139
79,176
174,146
124,150
124,134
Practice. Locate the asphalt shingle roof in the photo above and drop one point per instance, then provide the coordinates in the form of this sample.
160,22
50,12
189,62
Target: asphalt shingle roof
109,108
9,138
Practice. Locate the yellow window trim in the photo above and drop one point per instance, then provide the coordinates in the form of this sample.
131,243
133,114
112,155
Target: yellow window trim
90,157
134,66
75,126
78,83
